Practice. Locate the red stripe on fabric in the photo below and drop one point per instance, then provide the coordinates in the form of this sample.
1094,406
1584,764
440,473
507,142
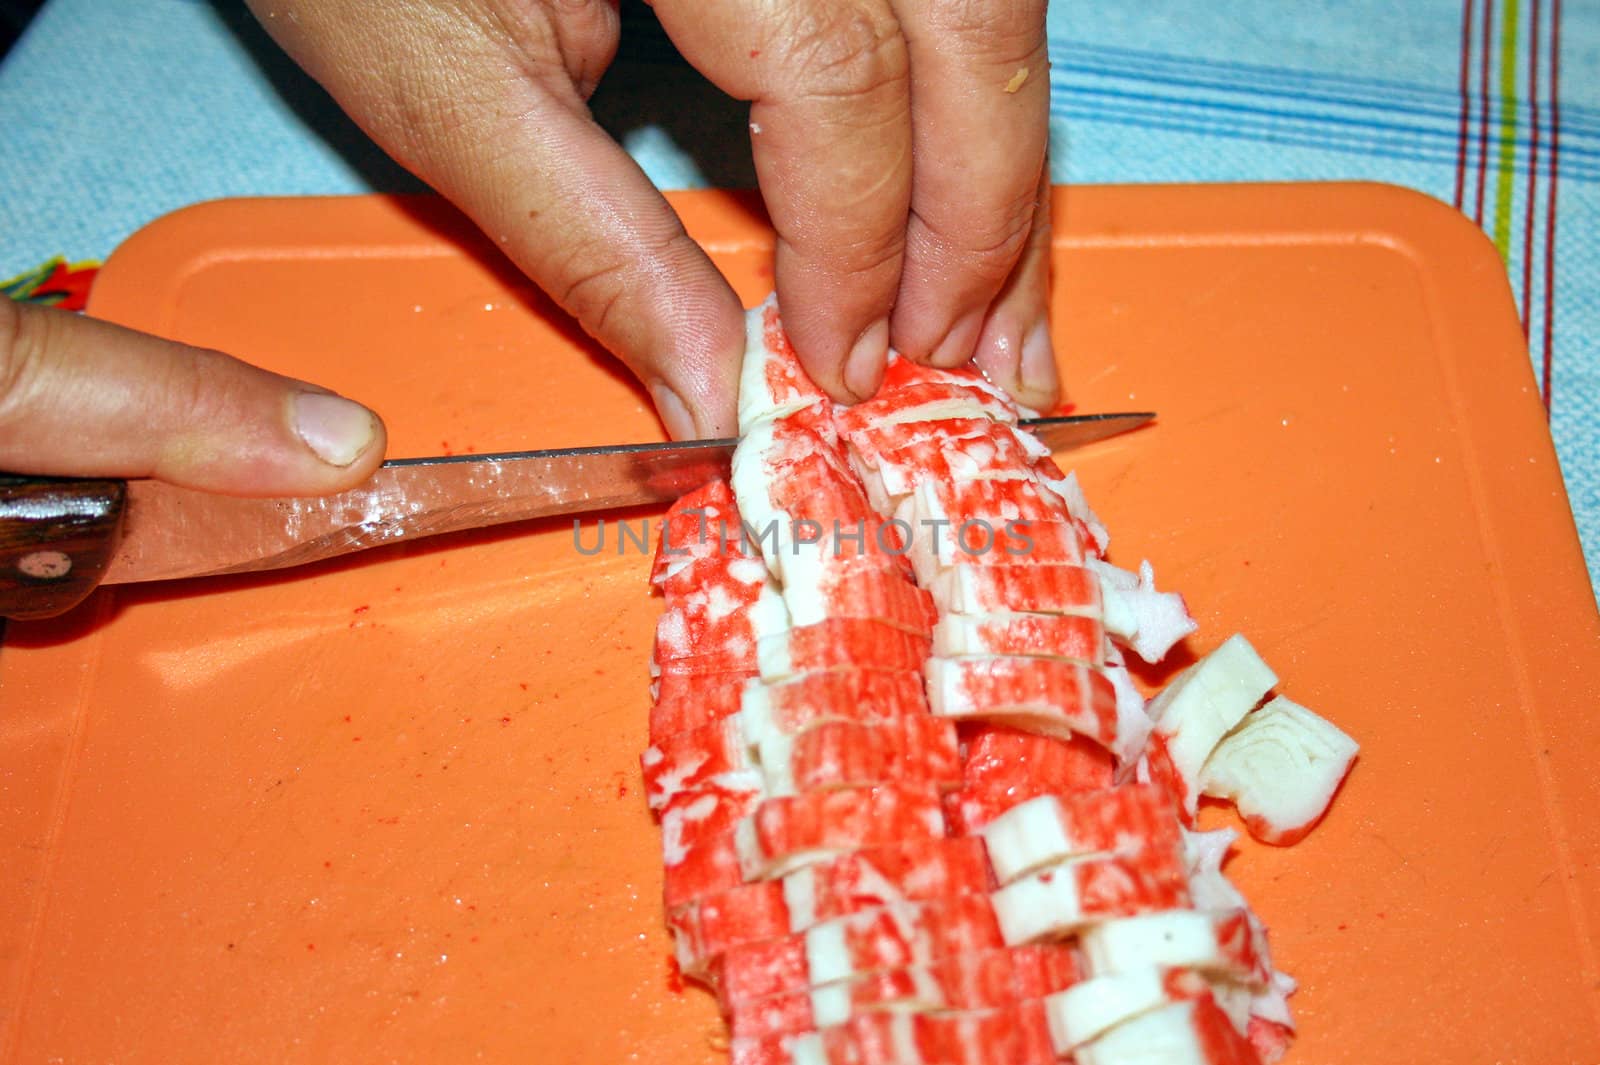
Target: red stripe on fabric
1483,105
1533,174
1550,202
1466,102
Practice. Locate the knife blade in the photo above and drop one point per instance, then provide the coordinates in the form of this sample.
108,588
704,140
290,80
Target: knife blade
170,532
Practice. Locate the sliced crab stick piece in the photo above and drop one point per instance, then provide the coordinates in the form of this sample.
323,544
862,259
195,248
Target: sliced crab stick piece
788,832
857,592
1054,697
1224,943
1040,635
706,869
1066,898
784,833
1146,621
728,612
839,643
1066,486
1003,757
736,576
1018,588
1196,709
919,748
962,982
689,760
1005,1035
735,658
691,818
996,505
1128,820
791,706
977,542
1088,1009
914,870
685,701
1192,1032
709,926
703,524
1280,767
772,382
889,937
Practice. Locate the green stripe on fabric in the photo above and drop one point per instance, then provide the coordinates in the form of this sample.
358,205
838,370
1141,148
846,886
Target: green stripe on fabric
1509,24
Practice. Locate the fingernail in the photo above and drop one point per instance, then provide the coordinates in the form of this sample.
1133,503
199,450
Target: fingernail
956,348
674,414
863,367
333,427
1038,371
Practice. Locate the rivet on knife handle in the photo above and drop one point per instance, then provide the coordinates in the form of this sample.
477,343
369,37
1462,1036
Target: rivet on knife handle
56,540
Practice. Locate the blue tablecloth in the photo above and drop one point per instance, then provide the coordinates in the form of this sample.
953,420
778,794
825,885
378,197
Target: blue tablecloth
117,112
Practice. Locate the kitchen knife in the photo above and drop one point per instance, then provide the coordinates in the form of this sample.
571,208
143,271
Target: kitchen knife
59,538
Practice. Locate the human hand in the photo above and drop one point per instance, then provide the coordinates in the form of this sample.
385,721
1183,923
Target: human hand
80,397
899,146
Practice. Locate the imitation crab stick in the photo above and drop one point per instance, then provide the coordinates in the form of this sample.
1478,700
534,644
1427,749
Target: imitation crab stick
1281,767
981,980
1125,820
1064,899
791,706
1200,706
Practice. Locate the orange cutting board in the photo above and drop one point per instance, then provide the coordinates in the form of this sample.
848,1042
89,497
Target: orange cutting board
389,809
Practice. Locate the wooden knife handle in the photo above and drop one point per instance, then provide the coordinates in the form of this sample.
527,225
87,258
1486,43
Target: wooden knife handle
57,537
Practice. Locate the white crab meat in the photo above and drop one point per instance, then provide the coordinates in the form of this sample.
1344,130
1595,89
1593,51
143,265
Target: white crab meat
1146,621
1200,706
1087,1010
1190,1032
1222,943
1280,767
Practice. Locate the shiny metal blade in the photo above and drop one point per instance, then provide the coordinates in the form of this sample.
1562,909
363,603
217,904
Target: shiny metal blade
178,532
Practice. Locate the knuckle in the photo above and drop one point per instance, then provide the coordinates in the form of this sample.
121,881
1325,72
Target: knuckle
985,19
598,277
845,50
1011,31
987,247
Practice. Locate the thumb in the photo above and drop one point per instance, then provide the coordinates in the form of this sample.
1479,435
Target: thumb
85,398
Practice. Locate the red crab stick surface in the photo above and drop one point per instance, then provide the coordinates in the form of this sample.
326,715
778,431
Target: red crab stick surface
892,936
911,871
1006,1035
962,982
1049,829
784,833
